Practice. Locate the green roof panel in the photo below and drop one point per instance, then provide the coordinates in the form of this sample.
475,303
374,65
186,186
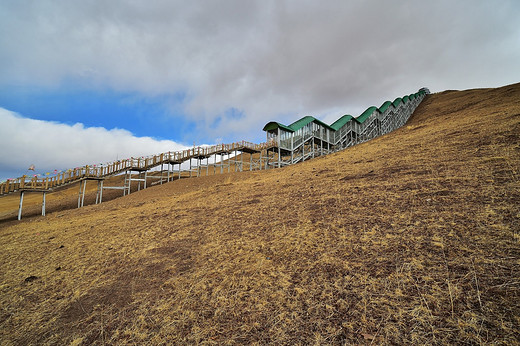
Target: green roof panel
385,106
364,116
341,122
273,125
298,124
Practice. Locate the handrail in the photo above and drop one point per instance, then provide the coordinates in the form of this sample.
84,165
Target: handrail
119,166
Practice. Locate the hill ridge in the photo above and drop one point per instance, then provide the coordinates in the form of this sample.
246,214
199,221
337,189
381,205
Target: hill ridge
412,237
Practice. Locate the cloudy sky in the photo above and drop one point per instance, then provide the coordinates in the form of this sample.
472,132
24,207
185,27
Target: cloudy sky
92,81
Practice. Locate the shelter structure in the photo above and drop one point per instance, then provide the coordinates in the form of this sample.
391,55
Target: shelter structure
309,137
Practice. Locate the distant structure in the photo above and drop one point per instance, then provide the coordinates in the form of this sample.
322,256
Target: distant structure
425,90
309,137
286,145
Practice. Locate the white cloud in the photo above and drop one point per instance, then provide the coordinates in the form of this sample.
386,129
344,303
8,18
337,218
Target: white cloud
51,145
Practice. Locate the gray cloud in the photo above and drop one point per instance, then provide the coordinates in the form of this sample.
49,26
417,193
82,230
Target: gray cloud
272,60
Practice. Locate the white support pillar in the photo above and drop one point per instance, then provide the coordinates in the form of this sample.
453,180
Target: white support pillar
81,197
162,169
128,184
20,207
79,193
43,204
83,194
99,195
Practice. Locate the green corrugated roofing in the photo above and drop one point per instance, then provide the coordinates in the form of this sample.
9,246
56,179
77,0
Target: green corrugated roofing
273,125
298,124
364,116
385,106
341,122
397,101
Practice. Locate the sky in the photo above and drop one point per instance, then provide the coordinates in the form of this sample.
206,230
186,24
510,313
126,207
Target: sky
86,82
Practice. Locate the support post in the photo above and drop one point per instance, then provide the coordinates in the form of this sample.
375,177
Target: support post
128,184
83,194
162,169
43,204
20,207
99,195
79,194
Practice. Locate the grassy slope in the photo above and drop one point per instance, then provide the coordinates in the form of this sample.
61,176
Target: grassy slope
61,199
412,237
66,197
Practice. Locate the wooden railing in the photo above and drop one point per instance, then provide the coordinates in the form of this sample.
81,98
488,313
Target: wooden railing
116,167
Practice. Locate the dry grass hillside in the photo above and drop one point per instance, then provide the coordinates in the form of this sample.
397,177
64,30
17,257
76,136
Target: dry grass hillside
410,238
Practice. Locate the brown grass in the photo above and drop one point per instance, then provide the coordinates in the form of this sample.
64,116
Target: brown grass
410,238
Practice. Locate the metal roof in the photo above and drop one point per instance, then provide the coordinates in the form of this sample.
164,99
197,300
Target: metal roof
364,116
341,122
298,124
